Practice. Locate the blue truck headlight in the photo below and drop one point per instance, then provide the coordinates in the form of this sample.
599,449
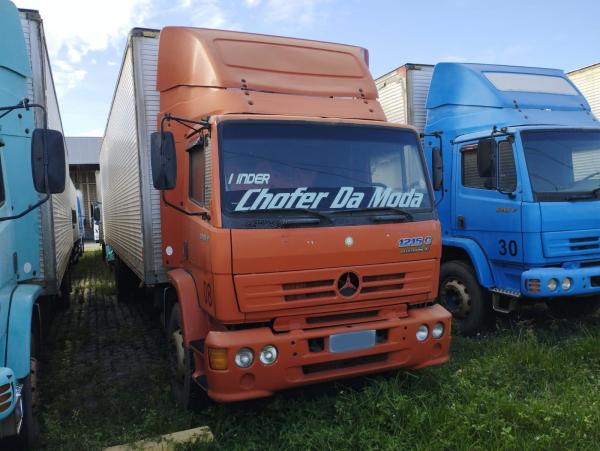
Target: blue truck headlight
566,283
552,284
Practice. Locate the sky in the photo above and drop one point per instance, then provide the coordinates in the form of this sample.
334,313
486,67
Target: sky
86,38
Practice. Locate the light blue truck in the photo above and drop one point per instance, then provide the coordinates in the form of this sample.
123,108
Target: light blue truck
36,232
514,154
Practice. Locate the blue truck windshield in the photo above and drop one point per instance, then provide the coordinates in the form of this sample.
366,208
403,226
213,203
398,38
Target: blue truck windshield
563,164
269,167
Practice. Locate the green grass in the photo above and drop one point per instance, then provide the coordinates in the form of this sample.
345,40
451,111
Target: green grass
534,383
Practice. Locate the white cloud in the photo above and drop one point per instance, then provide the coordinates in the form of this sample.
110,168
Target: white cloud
252,3
207,13
303,12
75,28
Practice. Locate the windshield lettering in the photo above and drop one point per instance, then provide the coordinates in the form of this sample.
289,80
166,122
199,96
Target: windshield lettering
346,197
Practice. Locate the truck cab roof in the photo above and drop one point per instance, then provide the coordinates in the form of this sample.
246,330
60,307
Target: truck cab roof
468,97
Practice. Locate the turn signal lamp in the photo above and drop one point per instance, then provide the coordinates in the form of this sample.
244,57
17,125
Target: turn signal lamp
533,285
217,358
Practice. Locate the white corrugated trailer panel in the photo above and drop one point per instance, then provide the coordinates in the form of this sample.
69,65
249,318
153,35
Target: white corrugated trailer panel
587,81
403,94
130,204
55,219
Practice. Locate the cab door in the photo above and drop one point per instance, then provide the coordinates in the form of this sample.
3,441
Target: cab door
488,210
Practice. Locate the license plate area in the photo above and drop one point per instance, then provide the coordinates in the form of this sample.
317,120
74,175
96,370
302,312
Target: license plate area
352,341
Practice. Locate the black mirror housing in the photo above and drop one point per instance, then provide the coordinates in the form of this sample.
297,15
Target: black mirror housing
48,152
437,168
164,160
486,157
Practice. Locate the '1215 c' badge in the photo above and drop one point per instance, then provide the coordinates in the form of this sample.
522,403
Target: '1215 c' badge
414,244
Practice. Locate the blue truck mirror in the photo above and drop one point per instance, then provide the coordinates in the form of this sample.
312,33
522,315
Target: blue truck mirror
163,160
437,168
48,165
486,157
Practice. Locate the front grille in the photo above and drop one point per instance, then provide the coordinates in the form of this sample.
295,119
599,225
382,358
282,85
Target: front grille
309,290
342,364
382,282
584,243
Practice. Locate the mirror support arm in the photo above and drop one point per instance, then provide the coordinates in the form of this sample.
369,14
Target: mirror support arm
183,121
25,105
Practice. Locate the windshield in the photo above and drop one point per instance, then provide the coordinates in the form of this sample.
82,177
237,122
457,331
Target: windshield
274,168
563,164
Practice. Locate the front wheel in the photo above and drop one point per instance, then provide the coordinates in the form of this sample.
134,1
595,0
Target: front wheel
187,393
462,295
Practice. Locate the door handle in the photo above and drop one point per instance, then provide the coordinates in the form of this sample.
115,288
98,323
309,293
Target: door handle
460,220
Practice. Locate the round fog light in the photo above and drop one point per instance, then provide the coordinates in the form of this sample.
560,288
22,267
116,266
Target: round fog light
244,358
268,355
566,283
422,332
438,330
552,284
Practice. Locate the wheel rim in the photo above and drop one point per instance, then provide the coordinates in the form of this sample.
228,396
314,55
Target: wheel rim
178,357
455,296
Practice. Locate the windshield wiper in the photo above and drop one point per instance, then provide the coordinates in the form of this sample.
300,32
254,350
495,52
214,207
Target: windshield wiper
399,213
292,221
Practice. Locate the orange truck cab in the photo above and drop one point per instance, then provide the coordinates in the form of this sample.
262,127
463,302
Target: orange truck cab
298,236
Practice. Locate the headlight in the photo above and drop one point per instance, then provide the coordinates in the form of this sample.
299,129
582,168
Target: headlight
422,332
244,358
566,283
438,330
268,355
552,284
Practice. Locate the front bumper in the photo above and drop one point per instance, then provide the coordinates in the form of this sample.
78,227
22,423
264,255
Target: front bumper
297,365
584,281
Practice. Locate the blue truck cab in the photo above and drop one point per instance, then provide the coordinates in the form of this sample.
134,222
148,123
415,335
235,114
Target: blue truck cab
515,154
30,172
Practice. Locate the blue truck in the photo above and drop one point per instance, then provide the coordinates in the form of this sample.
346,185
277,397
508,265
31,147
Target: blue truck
514,156
36,233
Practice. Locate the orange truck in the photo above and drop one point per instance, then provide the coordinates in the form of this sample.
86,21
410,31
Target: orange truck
254,190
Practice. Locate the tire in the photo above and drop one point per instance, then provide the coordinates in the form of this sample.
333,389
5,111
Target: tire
188,394
569,308
460,293
29,401
126,282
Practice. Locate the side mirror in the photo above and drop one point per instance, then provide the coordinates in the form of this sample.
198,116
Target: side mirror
96,213
163,159
486,157
437,168
48,152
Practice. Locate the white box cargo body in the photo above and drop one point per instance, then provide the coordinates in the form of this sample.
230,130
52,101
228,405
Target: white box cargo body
130,204
403,94
55,218
587,80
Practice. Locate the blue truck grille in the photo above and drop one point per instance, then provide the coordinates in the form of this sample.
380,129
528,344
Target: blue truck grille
569,244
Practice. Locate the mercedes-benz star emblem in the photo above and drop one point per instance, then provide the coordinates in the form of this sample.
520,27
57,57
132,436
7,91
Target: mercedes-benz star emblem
347,284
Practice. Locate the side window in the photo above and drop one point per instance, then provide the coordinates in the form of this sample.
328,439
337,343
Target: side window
470,176
197,173
507,170
2,194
